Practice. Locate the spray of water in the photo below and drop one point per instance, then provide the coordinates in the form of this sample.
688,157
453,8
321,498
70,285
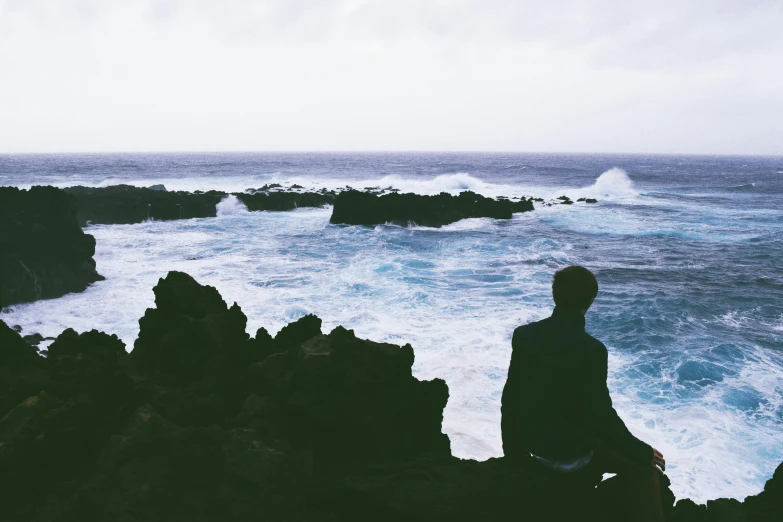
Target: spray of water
614,183
230,206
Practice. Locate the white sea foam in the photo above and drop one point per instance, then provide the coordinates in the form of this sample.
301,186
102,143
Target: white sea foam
701,437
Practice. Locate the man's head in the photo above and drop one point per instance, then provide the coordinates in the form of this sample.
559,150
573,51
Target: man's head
574,287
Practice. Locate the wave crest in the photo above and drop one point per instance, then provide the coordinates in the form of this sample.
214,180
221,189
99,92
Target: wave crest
612,183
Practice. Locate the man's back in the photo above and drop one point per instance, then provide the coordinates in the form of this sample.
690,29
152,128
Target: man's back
555,403
556,409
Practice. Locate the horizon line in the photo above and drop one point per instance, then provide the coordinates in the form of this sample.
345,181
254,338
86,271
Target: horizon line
400,151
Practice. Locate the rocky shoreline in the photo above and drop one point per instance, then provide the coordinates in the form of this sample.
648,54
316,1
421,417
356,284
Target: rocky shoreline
200,421
125,204
45,254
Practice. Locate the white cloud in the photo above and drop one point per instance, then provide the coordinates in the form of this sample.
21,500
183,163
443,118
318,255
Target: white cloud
699,76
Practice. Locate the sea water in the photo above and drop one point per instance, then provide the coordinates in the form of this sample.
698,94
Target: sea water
687,251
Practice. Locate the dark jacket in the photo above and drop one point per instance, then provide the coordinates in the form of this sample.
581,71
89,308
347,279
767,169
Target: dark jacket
555,403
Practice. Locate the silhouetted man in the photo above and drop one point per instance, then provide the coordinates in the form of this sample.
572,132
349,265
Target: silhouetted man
556,411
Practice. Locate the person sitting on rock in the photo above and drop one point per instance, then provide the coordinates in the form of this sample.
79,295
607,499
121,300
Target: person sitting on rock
557,415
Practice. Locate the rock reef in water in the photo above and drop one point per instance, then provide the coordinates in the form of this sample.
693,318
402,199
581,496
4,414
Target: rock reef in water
43,251
45,254
202,422
124,204
281,201
362,208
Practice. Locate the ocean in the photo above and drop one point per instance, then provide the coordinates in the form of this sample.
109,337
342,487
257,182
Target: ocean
687,251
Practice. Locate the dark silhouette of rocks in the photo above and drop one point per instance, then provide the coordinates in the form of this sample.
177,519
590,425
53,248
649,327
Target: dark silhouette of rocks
21,369
202,422
352,207
43,251
124,204
282,201
33,339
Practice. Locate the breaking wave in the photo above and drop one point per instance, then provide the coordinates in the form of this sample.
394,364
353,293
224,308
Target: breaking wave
740,188
612,183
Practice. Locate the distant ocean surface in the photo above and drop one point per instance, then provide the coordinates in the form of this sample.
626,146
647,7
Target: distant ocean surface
687,250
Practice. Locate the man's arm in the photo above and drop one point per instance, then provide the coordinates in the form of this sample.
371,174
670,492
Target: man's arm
608,426
509,404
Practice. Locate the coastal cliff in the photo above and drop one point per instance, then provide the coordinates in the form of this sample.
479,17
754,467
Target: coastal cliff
43,251
200,421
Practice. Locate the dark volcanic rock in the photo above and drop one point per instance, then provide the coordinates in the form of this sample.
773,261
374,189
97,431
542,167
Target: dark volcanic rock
33,339
350,402
22,370
194,345
124,204
284,200
362,208
43,251
55,434
200,422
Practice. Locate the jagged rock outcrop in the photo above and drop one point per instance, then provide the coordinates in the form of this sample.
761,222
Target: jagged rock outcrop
43,251
21,369
202,422
284,200
352,207
124,204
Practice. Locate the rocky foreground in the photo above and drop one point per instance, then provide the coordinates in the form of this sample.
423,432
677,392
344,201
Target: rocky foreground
43,251
202,422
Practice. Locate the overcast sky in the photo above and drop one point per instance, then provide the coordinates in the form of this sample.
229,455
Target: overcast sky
687,76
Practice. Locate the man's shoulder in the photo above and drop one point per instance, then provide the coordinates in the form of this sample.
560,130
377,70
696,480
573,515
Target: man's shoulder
531,327
595,345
